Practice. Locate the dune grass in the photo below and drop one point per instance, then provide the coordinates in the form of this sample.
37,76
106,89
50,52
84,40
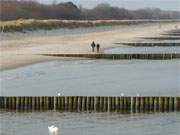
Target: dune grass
23,25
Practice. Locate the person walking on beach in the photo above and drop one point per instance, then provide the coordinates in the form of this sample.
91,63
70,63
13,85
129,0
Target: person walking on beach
98,47
93,45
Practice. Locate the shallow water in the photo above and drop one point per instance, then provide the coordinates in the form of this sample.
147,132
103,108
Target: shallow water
143,50
94,77
90,123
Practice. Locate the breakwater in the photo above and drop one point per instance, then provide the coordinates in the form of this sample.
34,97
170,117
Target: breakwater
91,104
122,56
151,44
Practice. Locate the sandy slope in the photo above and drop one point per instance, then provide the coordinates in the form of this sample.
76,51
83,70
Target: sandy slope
19,50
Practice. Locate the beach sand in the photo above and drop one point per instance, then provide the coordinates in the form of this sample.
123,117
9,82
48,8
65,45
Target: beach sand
19,49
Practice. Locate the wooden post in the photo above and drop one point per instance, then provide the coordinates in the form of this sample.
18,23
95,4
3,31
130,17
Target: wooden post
147,104
143,104
71,103
2,103
118,104
105,104
67,103
113,104
42,103
6,102
26,100
85,103
97,104
129,104
177,104
75,105
157,104
152,105
110,104
162,104
138,103
63,104
133,104
171,104
166,104
22,103
122,104
80,102
101,106
46,103
89,103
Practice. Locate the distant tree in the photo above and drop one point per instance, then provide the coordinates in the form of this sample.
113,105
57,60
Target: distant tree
16,9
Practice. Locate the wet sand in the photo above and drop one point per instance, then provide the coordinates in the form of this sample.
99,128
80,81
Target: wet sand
23,49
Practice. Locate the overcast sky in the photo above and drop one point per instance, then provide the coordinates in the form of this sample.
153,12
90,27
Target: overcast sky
130,4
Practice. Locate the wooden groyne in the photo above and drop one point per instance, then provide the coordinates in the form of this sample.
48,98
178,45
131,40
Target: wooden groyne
121,56
91,104
151,44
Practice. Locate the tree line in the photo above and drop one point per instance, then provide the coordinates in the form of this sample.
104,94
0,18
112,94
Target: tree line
21,9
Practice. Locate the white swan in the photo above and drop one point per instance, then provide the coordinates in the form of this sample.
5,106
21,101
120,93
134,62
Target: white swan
53,130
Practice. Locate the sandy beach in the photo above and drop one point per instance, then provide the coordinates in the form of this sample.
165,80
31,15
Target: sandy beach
19,49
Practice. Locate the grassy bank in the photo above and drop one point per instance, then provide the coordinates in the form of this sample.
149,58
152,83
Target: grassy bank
33,24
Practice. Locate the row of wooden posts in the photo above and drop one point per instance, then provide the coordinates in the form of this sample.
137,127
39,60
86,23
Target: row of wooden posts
165,56
91,104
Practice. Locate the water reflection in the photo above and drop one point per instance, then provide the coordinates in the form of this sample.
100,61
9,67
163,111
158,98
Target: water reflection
90,123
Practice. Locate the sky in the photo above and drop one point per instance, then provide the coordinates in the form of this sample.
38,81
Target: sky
129,4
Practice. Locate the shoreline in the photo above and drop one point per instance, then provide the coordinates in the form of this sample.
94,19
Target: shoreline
23,51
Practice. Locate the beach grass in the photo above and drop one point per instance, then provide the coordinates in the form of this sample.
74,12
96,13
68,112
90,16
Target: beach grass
23,25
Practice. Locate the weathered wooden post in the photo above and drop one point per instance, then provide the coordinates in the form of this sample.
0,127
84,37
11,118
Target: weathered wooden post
89,104
21,103
152,105
26,103
129,104
166,104
67,103
138,104
6,103
71,100
75,105
122,104
97,104
46,103
118,104
142,104
80,102
105,104
177,104
162,104
157,104
171,104
110,104
133,102
42,103
2,102
113,104
147,104
85,103
62,108
101,104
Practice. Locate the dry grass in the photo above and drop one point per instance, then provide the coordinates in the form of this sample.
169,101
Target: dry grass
23,25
